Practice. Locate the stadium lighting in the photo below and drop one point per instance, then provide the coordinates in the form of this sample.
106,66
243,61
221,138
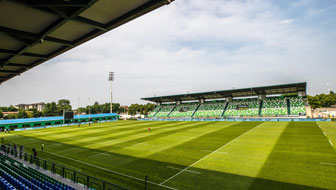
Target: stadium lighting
78,114
89,113
111,78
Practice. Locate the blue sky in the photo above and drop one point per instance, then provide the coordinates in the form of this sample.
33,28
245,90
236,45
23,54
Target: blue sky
192,46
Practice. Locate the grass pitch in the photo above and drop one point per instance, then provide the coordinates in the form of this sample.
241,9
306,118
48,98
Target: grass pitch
195,155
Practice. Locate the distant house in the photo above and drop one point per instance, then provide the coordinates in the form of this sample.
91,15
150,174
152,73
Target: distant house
324,113
39,106
10,112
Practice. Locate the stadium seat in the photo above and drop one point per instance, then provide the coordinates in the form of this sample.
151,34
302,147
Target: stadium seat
273,106
243,107
154,112
184,110
165,110
210,109
15,175
297,106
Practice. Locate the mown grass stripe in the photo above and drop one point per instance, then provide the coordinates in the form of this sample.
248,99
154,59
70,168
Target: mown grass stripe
226,144
295,160
103,135
83,140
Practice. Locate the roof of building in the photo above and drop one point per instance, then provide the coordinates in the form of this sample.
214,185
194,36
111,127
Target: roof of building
243,92
34,31
41,103
29,120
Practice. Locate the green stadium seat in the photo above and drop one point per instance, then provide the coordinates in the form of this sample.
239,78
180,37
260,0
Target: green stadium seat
165,110
184,110
210,109
273,106
297,106
236,107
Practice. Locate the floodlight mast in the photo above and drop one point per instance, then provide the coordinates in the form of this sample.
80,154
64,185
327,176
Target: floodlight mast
111,78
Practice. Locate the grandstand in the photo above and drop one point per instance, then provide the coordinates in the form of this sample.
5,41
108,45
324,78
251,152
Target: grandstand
15,175
286,100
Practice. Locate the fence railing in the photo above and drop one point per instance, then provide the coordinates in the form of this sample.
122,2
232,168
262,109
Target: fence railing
68,173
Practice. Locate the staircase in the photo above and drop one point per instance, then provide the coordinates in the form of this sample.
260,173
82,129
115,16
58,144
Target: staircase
171,110
157,111
288,107
226,105
192,115
260,107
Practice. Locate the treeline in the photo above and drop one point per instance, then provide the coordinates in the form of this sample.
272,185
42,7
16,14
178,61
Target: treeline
322,100
102,108
56,109
142,109
116,108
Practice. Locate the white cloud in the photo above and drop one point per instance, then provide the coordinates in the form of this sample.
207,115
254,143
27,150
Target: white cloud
188,46
286,21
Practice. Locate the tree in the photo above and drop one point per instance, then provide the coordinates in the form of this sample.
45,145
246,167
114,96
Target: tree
10,116
63,105
22,114
1,114
322,100
12,108
35,112
50,109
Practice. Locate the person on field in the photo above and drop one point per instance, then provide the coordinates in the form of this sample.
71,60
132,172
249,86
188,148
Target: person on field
42,147
148,129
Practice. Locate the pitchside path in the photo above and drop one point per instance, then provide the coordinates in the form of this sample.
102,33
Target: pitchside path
195,155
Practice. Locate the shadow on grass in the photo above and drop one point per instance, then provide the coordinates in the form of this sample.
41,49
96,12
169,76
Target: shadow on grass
104,165
296,157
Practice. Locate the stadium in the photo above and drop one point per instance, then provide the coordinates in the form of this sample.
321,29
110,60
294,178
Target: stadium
254,138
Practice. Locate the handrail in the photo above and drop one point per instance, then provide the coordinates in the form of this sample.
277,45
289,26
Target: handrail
86,180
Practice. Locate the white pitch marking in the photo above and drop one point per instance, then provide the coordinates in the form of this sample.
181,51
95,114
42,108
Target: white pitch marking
206,156
185,170
102,153
324,133
143,143
121,174
330,142
328,163
212,151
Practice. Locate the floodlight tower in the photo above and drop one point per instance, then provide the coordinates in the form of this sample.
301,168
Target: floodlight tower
111,78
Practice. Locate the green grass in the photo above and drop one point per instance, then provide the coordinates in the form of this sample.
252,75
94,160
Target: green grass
195,155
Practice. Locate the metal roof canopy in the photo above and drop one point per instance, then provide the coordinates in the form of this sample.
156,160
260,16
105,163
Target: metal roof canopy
34,31
244,92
